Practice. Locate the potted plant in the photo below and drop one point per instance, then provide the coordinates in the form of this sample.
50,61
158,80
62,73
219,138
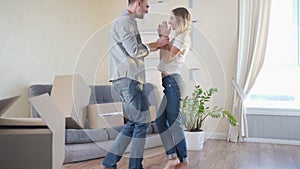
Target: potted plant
195,111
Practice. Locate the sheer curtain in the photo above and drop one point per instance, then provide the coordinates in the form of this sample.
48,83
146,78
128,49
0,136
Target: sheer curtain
253,30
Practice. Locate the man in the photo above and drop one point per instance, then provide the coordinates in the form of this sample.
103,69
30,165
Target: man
127,74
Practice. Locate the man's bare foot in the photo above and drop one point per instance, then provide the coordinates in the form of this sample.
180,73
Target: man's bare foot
103,167
181,165
172,163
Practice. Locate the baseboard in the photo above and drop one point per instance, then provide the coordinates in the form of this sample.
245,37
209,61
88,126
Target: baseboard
273,141
216,136
223,136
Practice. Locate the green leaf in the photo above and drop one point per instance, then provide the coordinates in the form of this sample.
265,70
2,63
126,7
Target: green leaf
195,111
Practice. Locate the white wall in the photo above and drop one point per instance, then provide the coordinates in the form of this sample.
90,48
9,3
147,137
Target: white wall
219,22
41,39
213,52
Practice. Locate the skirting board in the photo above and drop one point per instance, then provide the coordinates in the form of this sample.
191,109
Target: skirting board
223,136
216,136
273,141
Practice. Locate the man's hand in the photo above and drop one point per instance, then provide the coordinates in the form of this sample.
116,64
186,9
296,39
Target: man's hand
162,41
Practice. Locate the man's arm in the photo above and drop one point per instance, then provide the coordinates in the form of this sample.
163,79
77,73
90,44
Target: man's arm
159,43
126,31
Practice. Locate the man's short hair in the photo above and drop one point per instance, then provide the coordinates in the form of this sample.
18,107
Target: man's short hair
133,1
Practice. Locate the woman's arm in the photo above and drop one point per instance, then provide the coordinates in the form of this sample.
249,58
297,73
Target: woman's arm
167,54
163,51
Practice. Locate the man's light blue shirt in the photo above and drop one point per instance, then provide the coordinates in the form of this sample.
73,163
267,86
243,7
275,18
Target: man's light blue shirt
127,50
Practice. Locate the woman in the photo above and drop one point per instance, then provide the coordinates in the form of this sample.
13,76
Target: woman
169,120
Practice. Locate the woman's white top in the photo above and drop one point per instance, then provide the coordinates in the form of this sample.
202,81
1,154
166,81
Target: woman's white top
183,43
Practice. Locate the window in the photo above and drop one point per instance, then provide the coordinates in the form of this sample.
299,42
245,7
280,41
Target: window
278,84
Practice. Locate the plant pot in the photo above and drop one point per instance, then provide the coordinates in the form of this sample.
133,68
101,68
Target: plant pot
194,140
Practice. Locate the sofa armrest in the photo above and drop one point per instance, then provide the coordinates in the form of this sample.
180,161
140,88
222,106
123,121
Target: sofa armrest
35,90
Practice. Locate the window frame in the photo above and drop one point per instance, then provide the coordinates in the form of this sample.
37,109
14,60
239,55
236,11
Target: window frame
252,103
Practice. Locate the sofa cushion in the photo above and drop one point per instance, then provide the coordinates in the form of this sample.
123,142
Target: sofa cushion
75,136
103,94
81,152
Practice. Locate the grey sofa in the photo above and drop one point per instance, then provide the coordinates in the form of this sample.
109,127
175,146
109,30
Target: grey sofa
85,144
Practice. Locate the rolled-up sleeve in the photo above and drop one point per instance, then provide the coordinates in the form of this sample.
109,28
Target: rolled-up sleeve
128,34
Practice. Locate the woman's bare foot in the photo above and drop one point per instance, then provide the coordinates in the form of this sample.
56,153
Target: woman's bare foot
103,167
181,165
172,163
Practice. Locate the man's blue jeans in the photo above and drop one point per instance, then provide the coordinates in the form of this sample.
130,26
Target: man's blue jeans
169,120
136,107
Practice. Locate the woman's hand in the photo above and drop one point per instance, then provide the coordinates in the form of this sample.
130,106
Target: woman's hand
163,29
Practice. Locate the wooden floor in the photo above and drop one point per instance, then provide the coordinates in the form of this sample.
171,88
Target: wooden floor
218,154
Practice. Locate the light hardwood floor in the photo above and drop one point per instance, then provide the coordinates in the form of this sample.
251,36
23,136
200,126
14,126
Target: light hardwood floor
218,154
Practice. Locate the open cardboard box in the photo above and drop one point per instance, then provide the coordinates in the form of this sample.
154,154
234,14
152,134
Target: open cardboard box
71,95
33,143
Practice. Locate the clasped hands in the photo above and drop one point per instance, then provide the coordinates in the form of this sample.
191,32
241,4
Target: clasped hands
163,31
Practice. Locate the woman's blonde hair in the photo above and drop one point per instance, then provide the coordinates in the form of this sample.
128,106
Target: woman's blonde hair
183,20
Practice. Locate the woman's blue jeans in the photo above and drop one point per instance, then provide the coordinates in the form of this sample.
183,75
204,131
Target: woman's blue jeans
136,107
169,119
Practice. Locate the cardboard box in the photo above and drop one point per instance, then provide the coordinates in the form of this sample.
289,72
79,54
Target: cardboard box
109,115
109,120
33,143
106,115
71,95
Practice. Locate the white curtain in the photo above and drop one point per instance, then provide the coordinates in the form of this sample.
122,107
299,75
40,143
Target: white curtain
253,30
